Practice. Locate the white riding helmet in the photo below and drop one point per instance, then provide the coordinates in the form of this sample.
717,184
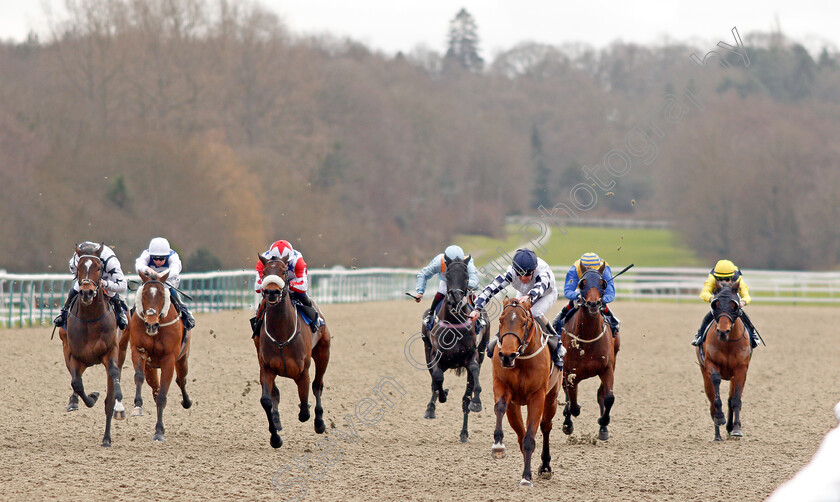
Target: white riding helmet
453,252
159,247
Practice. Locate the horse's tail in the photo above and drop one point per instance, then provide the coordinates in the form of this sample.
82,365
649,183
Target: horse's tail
460,370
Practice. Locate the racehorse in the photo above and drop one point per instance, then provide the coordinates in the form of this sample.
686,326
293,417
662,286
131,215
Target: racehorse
158,340
725,356
451,344
590,350
90,337
524,376
286,348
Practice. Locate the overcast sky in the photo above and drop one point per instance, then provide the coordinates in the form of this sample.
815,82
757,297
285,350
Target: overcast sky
395,25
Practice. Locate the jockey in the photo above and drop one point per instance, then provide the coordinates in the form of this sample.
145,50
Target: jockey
113,283
532,278
726,272
158,258
298,280
438,266
586,262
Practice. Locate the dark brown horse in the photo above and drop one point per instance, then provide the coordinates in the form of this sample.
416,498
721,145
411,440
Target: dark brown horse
524,376
452,343
158,341
591,351
90,337
725,355
286,348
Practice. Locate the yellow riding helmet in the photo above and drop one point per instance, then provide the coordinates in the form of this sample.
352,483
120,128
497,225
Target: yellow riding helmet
724,268
590,260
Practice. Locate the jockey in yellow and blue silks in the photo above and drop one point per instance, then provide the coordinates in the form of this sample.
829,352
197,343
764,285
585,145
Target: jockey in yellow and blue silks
438,266
726,273
570,290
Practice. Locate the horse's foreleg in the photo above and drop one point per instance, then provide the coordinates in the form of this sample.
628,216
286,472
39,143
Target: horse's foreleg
181,370
465,407
712,388
500,408
268,387
139,376
109,407
275,403
303,393
549,410
475,370
114,373
528,441
736,388
321,356
571,408
122,345
76,371
167,369
605,402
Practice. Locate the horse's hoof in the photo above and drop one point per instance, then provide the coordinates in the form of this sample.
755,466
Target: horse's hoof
303,416
464,436
526,483
106,443
72,407
276,441
603,435
159,438
568,428
430,414
137,411
119,411
320,427
545,473
442,395
736,433
498,451
186,403
93,396
475,406
718,439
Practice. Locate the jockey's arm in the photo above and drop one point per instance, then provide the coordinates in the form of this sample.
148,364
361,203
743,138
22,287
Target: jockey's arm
300,283
744,291
498,284
175,268
570,286
426,273
708,289
141,264
473,282
113,278
609,293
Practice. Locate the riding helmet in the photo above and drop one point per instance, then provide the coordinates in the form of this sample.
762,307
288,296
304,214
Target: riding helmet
524,261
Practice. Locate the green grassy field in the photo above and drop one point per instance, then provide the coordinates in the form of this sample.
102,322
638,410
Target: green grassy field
643,247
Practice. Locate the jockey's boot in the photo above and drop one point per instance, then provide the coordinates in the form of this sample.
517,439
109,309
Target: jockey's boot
429,320
119,311
491,345
306,303
754,338
612,320
61,319
554,344
186,315
256,321
698,336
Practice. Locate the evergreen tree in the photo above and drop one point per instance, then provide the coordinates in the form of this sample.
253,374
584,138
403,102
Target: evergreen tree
540,195
463,42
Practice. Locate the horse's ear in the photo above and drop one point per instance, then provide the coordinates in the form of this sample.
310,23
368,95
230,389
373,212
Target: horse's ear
446,259
506,301
714,304
262,258
527,303
603,283
602,267
163,277
143,276
580,284
79,251
98,251
468,258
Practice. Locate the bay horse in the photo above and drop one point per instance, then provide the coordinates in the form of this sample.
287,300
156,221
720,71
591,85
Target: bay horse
90,337
523,375
158,341
725,356
451,343
591,350
286,348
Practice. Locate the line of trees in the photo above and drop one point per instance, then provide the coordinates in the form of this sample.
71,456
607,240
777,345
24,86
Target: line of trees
214,126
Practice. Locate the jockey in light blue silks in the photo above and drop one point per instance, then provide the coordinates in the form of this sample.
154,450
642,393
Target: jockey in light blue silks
438,266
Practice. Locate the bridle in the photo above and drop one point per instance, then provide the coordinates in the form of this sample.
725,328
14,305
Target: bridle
463,303
592,307
731,314
87,281
274,297
142,313
523,342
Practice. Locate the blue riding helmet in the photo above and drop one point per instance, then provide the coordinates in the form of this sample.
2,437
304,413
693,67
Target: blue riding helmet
524,261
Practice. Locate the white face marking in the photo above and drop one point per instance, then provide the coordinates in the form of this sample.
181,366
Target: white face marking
153,292
87,265
513,317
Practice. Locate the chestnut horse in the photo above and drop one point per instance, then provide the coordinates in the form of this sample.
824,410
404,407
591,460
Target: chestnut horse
591,351
90,337
158,340
725,356
524,376
452,343
286,348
